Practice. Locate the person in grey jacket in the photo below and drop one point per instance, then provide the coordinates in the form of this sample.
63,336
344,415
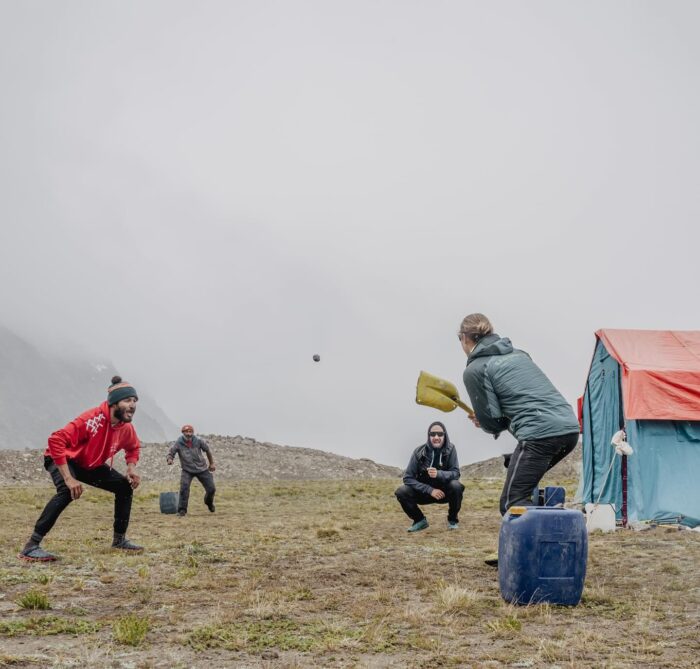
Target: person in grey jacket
508,391
190,449
432,476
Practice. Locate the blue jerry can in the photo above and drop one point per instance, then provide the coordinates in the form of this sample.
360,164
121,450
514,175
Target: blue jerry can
168,502
542,555
554,495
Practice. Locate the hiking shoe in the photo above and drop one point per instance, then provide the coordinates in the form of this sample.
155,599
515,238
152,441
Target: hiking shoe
211,507
452,525
420,525
37,554
126,545
491,562
181,514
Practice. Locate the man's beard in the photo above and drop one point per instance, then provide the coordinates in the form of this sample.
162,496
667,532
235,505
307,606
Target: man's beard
120,415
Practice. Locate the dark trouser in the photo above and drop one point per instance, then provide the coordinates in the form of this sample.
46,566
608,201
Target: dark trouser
529,463
409,499
102,477
206,478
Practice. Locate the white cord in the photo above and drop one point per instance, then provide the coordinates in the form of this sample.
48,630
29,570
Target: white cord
619,441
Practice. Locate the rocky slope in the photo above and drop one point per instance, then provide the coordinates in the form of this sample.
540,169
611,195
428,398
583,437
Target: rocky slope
239,458
567,469
235,458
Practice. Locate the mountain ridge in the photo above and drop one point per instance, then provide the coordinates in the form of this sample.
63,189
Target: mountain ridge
40,393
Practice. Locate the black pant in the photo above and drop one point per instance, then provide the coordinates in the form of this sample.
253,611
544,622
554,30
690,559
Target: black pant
529,463
206,478
409,499
103,477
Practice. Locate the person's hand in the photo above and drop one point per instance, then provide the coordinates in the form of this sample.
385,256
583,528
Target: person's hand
212,467
432,472
134,479
437,494
169,461
75,487
475,420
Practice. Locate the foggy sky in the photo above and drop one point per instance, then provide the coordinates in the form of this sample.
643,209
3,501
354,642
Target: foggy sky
209,193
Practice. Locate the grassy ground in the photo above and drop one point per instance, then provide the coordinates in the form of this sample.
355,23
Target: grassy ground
323,574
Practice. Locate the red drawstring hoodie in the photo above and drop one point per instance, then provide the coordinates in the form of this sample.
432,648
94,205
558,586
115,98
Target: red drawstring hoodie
90,440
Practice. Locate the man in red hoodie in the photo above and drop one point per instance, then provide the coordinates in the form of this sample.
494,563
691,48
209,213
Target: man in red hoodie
78,453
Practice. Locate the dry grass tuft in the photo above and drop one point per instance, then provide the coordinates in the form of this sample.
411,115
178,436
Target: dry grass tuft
455,599
34,599
23,660
506,626
130,629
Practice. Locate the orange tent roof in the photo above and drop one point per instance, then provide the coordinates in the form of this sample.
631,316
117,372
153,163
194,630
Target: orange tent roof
660,372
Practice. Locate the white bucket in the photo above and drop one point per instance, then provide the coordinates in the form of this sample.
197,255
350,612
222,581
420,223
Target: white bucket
600,517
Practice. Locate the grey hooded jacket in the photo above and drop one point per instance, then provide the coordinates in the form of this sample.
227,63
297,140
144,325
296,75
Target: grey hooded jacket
508,391
192,459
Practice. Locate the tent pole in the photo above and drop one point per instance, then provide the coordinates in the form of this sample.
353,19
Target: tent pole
623,468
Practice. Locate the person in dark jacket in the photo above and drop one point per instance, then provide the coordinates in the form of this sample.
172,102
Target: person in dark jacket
508,391
432,476
190,449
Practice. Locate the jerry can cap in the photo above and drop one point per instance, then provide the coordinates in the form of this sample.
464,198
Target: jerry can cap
517,510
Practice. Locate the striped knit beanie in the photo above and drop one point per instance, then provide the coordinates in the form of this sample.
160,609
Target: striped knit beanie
119,390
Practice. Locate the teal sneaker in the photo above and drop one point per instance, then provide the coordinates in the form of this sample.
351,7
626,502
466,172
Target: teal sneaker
420,525
452,525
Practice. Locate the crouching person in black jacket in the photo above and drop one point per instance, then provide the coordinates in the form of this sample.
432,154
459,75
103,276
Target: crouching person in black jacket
432,477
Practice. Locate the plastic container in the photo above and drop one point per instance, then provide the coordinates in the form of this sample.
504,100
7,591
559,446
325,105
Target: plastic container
549,496
168,502
600,517
542,555
554,495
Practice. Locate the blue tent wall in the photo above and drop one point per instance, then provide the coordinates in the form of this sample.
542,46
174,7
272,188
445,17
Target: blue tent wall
666,465
662,473
601,419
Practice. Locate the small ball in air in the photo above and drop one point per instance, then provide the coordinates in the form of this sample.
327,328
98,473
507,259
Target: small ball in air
317,357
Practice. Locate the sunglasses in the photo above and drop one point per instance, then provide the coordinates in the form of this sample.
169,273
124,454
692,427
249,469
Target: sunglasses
436,434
